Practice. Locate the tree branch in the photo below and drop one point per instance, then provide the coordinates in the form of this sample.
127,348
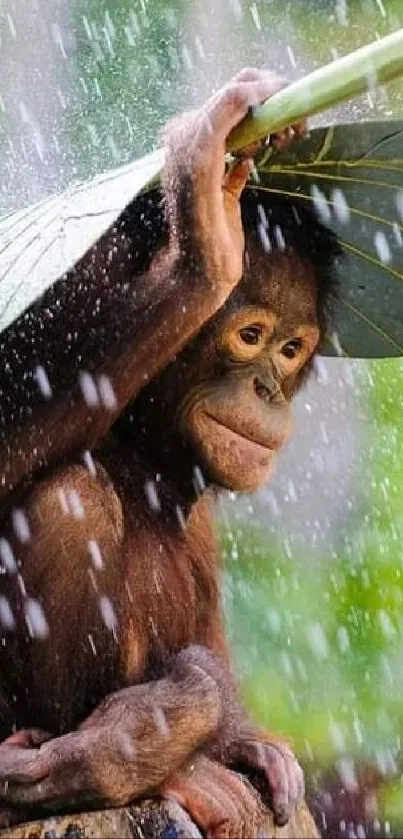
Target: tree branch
145,820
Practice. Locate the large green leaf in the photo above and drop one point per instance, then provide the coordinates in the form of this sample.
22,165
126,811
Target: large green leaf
364,161
353,175
355,170
39,244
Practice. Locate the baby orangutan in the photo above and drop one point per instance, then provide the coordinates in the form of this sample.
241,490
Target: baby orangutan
110,604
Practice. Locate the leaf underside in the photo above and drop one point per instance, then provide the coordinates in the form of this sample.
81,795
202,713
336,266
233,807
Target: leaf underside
358,166
357,172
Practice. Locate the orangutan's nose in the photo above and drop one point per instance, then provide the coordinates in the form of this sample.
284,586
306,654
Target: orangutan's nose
266,388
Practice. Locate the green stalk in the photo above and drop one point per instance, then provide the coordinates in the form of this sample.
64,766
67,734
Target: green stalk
374,64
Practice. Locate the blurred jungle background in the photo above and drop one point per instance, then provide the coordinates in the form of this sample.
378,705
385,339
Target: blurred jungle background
314,563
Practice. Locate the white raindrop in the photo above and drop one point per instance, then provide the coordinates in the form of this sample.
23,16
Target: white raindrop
397,234
35,619
95,554
198,480
75,504
341,12
340,206
161,722
264,237
346,770
63,501
89,463
43,382
6,615
153,500
386,625
88,389
320,204
343,639
255,16
382,247
291,56
20,525
125,741
317,640
108,614
278,235
92,645
7,556
107,393
336,735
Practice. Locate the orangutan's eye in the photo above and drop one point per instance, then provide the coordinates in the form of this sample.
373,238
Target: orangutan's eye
291,348
251,334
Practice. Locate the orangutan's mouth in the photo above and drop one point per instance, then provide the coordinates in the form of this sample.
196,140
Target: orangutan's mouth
242,439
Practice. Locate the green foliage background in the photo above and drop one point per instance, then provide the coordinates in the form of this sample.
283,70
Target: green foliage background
320,641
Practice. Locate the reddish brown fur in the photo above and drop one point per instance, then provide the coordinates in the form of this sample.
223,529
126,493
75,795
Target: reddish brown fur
161,580
156,644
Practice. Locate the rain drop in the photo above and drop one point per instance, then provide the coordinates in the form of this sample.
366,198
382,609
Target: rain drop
95,554
88,389
317,641
385,624
108,614
126,744
347,774
278,235
6,616
35,619
341,12
336,735
107,393
89,463
397,234
320,204
75,504
43,382
382,247
264,237
7,556
343,639
381,7
198,480
11,26
150,490
92,645
63,501
255,16
161,722
340,206
20,525
291,56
